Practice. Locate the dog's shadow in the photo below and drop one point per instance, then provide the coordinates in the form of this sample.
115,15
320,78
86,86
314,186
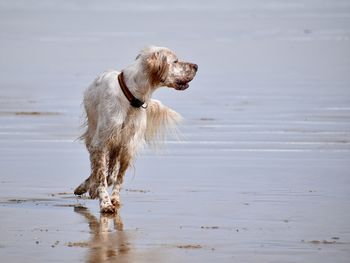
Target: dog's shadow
107,244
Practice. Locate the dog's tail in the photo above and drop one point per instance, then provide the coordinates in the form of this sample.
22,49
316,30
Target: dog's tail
161,120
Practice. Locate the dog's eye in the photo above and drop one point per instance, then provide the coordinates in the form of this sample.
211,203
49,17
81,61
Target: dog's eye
176,61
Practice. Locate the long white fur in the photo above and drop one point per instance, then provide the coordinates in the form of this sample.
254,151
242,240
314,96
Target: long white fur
153,123
161,120
112,123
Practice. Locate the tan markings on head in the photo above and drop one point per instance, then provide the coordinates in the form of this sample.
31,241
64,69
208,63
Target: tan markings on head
157,67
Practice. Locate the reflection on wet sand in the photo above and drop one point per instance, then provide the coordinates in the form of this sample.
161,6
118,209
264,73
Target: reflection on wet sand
106,244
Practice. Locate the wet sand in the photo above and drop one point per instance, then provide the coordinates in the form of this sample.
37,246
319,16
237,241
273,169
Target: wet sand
262,172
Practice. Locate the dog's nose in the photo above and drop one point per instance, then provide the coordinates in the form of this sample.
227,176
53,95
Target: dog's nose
195,66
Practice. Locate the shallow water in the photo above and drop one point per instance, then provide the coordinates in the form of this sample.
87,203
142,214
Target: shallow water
262,172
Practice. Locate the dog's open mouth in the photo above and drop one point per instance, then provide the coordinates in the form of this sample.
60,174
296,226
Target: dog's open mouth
182,84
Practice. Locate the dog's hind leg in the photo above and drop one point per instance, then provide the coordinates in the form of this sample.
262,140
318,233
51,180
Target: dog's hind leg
98,185
87,136
83,187
112,165
124,162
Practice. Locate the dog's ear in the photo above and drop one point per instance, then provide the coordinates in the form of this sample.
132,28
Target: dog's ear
157,68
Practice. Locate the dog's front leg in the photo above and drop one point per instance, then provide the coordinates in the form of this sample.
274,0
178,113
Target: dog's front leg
98,186
124,162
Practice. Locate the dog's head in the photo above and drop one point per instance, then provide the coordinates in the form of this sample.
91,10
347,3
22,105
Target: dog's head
164,69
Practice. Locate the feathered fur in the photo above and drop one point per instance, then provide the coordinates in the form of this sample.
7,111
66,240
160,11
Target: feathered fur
161,120
116,130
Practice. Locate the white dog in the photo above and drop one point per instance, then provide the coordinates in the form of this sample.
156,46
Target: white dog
121,117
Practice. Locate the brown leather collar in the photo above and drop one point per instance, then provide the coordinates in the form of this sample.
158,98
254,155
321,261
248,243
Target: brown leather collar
136,103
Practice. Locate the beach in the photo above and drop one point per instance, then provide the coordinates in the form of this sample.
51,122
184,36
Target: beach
261,170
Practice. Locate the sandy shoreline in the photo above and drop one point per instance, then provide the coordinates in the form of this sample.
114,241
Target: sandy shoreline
262,172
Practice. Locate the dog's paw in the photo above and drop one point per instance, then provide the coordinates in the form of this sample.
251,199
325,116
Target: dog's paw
116,203
115,200
109,209
80,190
